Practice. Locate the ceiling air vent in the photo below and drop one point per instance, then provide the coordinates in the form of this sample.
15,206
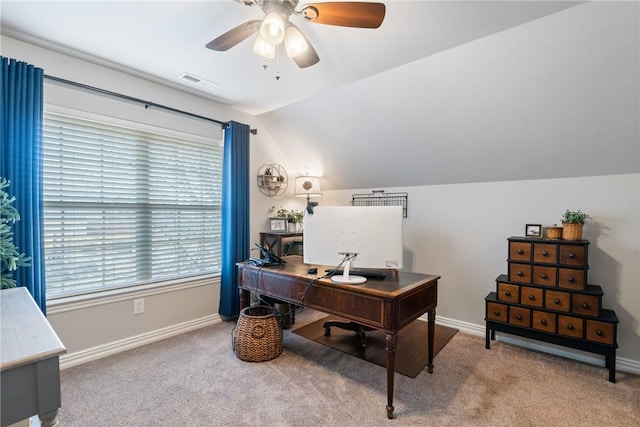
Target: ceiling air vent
195,80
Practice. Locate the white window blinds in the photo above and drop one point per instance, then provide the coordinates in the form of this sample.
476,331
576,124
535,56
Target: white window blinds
125,207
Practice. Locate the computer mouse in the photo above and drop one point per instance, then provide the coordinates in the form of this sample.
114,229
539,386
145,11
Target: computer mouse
312,270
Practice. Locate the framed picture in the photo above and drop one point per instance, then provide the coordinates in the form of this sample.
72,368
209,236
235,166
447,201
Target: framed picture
277,225
533,230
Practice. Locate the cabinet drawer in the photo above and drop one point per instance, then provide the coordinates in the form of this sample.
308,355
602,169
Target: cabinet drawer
544,321
519,251
519,272
557,300
520,316
601,332
545,253
497,312
571,326
587,305
570,278
531,296
544,276
508,293
573,255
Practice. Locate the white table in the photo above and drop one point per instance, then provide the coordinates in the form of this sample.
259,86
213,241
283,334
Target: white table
29,366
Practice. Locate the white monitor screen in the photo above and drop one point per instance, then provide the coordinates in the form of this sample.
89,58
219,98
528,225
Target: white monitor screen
374,233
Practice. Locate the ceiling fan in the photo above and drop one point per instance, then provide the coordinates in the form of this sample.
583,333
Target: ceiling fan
276,27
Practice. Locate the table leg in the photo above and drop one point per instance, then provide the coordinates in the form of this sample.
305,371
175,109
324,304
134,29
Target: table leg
50,419
431,327
391,340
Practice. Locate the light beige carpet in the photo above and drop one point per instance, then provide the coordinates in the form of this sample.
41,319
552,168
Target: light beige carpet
196,380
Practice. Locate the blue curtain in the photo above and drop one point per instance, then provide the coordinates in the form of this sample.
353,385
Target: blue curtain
235,214
21,112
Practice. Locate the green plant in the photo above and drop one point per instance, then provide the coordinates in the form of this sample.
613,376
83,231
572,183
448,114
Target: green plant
291,215
10,258
574,217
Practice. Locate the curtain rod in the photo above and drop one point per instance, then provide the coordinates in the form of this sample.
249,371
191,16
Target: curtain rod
147,104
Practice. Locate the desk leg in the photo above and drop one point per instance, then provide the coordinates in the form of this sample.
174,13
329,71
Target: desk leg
391,340
431,327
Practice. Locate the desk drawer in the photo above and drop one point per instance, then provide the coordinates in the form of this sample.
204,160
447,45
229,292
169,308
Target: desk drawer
570,326
601,332
497,312
531,296
520,316
520,273
544,321
573,255
571,278
544,276
508,293
545,253
557,300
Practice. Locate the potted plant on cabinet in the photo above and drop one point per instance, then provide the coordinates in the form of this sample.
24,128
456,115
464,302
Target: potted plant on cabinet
572,224
10,258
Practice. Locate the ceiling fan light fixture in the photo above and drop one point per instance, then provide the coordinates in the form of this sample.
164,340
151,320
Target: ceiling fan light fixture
263,48
294,42
272,28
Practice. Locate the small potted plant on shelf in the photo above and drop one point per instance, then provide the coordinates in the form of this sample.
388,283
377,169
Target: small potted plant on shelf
572,224
294,218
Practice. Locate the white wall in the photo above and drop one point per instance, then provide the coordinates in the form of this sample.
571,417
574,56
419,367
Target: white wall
459,232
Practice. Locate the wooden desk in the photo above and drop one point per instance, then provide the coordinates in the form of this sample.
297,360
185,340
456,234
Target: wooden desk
387,304
29,367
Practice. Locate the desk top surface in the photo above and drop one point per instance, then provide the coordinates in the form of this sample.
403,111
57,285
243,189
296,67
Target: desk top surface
393,284
26,335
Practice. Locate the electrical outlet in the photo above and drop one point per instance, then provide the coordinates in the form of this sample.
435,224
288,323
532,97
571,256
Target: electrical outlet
138,306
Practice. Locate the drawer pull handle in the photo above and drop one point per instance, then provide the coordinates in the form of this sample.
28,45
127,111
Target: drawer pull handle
599,332
520,273
519,317
571,279
497,313
570,327
532,298
585,305
572,255
507,294
543,321
545,253
556,301
544,276
520,251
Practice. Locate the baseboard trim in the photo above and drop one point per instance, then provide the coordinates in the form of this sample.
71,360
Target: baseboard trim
622,364
94,353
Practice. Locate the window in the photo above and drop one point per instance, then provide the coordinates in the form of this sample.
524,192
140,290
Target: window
124,206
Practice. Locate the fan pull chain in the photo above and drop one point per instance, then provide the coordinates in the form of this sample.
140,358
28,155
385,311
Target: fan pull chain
278,63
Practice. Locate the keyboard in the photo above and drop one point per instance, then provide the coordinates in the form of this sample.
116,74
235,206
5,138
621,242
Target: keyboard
371,274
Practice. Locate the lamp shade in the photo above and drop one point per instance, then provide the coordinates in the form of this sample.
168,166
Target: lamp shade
307,186
264,48
294,41
272,28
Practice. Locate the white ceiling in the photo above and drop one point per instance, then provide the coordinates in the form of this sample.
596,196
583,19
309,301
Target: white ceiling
164,39
443,92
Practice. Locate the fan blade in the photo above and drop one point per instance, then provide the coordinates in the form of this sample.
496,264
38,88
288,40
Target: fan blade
309,57
345,14
234,36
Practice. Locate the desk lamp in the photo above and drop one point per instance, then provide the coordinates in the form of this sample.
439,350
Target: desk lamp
308,186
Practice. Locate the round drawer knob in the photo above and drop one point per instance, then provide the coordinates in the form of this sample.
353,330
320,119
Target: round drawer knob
585,305
556,301
520,251
570,327
497,313
507,294
572,255
545,253
571,279
543,321
599,332
532,298
544,276
520,273
519,317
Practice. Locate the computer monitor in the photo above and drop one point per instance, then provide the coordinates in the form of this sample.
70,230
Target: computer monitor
367,237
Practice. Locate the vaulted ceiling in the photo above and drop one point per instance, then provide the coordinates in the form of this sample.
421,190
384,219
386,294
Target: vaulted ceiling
442,92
